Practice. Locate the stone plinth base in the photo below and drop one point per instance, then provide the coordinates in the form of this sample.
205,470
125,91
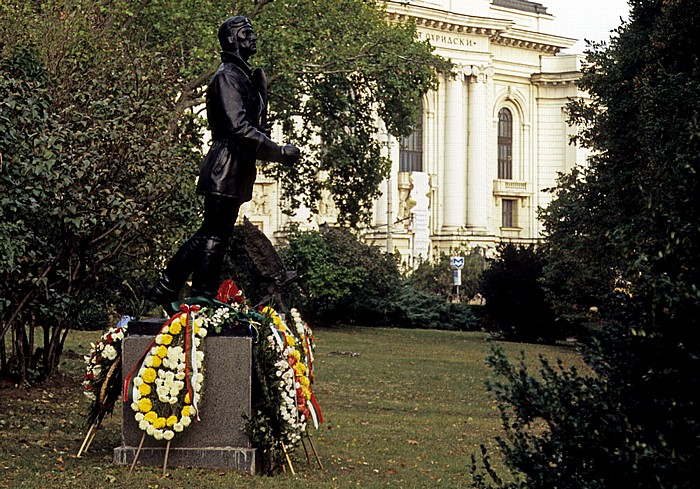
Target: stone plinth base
238,459
218,440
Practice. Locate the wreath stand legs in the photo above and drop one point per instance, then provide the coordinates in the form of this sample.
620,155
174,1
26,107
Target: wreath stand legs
308,435
306,452
308,459
89,436
138,451
165,460
289,460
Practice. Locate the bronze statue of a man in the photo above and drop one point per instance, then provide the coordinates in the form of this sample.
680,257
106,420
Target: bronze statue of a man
236,101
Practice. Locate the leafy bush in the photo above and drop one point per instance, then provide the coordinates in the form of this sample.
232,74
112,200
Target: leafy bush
341,279
516,306
344,280
435,276
417,309
549,444
87,176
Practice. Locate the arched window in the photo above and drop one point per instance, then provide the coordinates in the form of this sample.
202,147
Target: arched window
505,144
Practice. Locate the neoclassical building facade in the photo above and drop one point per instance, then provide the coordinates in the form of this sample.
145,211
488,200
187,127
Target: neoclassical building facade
492,139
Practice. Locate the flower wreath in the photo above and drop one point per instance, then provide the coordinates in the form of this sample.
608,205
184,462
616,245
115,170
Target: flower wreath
167,386
102,373
294,369
166,389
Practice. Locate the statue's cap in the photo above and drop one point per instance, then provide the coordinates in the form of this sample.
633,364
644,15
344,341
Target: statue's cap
233,24
230,27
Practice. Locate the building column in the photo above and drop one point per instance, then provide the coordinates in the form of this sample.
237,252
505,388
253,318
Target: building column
381,203
454,176
480,189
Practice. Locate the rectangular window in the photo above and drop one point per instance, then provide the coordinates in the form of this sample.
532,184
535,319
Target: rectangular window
505,161
411,150
509,217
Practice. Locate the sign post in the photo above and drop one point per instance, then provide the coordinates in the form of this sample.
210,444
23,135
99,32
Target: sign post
457,263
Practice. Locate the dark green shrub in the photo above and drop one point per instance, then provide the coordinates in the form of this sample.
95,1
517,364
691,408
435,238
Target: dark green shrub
417,309
341,279
516,306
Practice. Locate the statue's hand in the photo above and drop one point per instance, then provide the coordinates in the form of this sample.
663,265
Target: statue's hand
290,154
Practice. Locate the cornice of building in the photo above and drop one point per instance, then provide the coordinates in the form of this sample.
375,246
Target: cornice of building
524,5
547,43
566,78
499,31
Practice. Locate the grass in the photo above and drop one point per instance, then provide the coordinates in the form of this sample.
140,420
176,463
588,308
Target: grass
407,411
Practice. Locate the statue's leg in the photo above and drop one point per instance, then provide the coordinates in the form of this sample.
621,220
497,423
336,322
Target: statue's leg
220,214
179,268
206,275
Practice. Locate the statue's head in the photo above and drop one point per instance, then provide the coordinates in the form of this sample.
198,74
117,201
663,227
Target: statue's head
236,35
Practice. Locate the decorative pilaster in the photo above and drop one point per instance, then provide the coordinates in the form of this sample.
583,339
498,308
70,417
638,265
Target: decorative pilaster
478,183
455,168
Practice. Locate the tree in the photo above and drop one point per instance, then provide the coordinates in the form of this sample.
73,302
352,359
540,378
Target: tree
633,215
91,179
101,140
335,69
516,305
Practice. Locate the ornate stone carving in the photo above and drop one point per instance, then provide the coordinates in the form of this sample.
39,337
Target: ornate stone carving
260,205
326,207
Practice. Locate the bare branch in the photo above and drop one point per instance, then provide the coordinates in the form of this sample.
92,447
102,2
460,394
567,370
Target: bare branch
258,8
22,303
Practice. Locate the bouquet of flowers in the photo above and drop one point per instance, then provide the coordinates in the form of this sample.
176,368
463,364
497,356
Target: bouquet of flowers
102,377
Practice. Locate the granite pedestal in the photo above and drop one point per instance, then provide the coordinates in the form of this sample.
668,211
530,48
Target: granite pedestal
218,440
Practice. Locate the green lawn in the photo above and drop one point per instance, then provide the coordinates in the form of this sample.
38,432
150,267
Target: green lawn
406,411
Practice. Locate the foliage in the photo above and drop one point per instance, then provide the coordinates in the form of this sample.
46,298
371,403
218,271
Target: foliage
515,300
435,276
335,67
88,170
417,309
573,283
627,230
341,279
344,280
550,447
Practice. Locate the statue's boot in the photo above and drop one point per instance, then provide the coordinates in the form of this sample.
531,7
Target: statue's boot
167,288
206,273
